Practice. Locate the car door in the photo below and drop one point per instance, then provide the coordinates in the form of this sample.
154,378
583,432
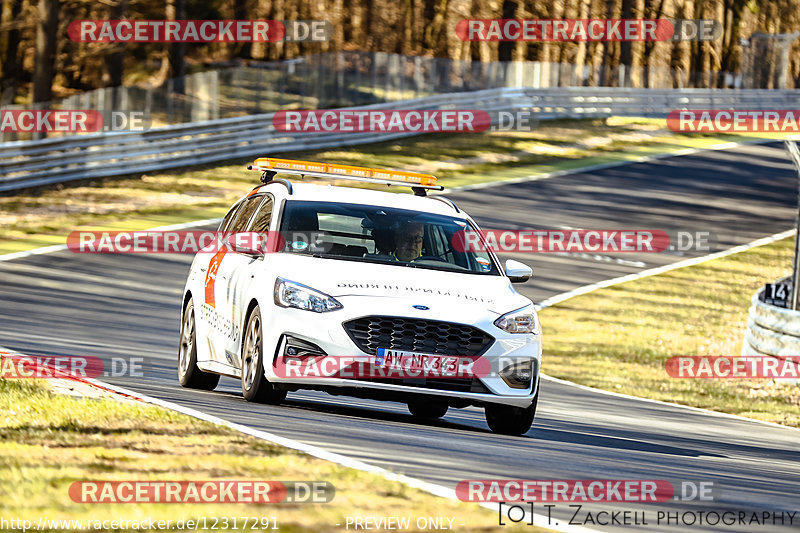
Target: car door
207,264
221,267
238,274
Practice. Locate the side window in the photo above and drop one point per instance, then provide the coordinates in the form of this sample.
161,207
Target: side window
434,244
226,222
481,257
263,217
248,208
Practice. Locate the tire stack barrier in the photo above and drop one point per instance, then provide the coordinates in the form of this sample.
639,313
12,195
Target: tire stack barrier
772,331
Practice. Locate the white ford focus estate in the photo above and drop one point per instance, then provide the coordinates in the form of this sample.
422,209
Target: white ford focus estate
363,293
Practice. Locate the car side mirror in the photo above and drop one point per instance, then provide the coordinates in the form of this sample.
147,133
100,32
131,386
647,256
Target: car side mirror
518,272
248,242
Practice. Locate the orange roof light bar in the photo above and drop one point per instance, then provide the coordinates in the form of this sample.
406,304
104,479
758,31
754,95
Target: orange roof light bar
333,171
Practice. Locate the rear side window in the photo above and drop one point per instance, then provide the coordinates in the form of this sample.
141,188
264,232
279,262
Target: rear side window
243,216
228,220
263,217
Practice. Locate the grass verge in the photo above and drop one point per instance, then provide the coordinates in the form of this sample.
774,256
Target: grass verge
50,441
44,217
620,337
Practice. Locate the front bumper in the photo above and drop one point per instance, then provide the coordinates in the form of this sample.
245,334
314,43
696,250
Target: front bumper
326,331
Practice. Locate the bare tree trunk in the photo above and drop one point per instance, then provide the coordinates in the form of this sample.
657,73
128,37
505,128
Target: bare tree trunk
608,60
551,52
650,12
176,10
369,19
259,49
626,47
428,16
276,50
480,50
584,7
240,12
731,33
505,49
115,61
437,27
292,49
45,54
697,61
409,44
680,58
11,65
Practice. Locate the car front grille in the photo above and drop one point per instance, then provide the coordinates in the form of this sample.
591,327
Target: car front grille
417,335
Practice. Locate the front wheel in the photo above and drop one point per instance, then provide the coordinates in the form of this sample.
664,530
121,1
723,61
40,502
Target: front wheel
189,374
510,420
255,387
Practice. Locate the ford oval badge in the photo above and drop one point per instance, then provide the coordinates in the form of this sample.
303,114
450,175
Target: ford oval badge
421,307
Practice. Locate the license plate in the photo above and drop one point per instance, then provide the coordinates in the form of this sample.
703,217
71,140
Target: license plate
415,361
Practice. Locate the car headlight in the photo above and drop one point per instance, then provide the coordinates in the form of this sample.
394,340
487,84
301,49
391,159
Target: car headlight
522,320
291,294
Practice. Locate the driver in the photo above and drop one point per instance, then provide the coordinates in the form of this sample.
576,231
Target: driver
408,241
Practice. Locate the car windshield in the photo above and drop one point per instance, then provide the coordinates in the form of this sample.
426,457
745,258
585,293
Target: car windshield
379,234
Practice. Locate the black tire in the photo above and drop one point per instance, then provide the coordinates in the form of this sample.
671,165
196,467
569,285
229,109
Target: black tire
255,387
189,375
427,409
510,420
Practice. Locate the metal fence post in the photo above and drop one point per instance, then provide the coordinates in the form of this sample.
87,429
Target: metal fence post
418,79
340,79
794,153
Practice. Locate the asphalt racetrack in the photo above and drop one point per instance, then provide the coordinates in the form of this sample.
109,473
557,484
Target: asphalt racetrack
128,305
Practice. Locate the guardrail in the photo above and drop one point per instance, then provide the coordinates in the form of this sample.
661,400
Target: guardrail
42,162
771,331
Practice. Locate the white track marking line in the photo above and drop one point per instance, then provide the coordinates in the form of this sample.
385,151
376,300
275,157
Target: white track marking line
533,177
651,272
660,270
124,394
669,404
61,247
438,490
612,164
321,453
577,292
35,251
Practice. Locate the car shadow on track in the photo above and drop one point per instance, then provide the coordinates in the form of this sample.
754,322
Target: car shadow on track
547,431
325,406
308,410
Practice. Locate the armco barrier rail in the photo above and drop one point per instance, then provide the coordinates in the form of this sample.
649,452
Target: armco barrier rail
47,161
771,331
